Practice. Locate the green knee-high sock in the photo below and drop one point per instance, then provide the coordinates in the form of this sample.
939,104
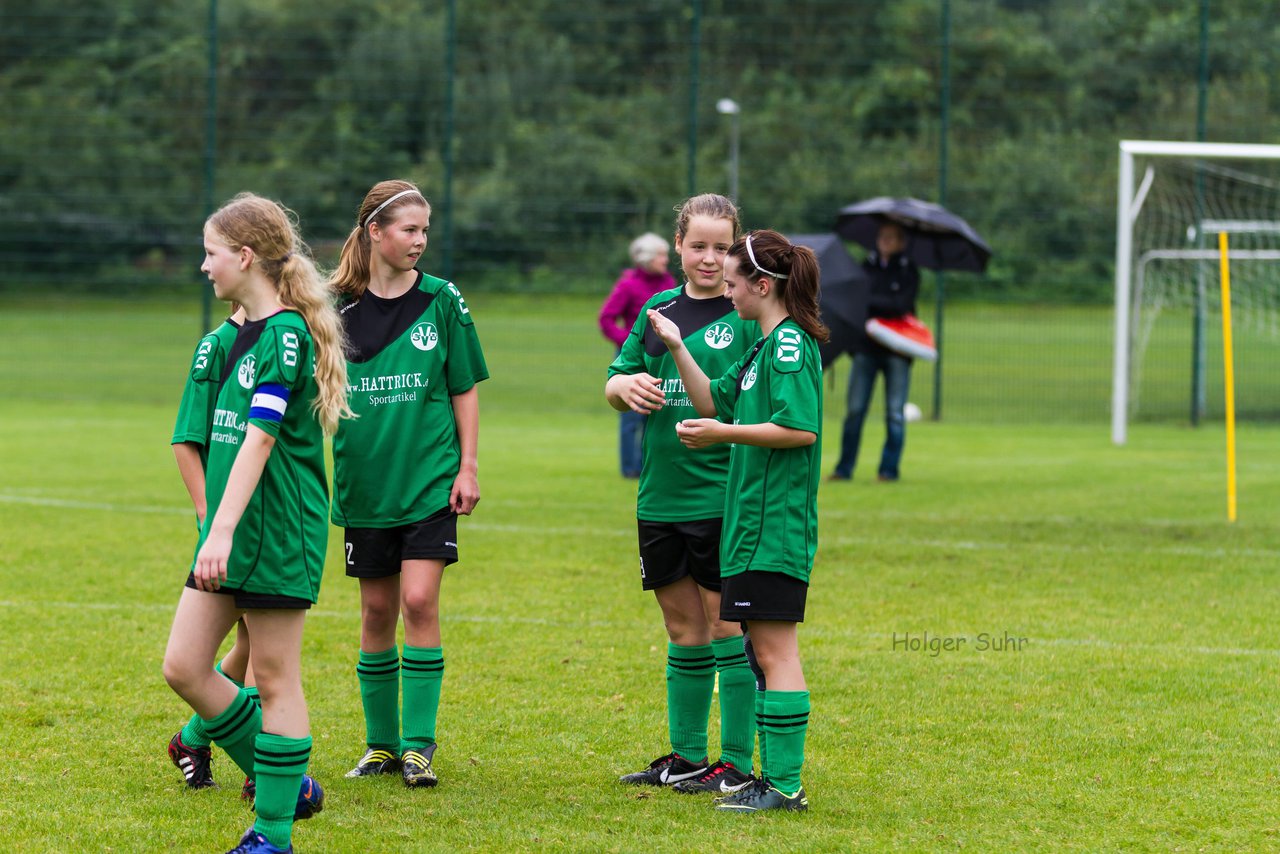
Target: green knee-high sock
235,728
737,702
280,763
379,674
786,720
422,671
194,734
691,678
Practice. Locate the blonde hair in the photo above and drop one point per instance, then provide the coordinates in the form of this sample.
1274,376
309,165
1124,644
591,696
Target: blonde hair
646,247
270,230
352,275
710,205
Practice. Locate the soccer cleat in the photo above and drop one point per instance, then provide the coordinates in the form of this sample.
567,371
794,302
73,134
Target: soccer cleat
415,766
665,771
762,796
722,778
255,843
375,761
310,797
193,762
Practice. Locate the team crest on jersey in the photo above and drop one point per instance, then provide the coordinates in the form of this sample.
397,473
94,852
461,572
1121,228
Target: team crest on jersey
788,351
248,368
425,336
749,378
719,335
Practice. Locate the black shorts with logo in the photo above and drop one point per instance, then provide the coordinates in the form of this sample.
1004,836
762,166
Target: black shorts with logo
761,595
377,552
669,551
249,601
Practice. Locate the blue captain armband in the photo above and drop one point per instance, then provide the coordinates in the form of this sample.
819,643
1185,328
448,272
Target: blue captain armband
269,402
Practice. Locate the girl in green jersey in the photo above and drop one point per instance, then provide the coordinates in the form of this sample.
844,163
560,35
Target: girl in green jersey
189,748
262,544
680,507
768,406
404,470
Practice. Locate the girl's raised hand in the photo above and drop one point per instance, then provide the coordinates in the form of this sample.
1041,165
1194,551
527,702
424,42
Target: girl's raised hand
666,329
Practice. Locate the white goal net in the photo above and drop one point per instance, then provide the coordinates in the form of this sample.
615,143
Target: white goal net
1175,199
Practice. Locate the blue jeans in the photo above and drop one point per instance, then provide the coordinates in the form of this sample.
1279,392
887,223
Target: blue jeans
630,433
862,380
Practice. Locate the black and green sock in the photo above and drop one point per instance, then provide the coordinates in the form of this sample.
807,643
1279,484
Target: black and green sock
786,720
422,671
235,728
691,679
194,734
737,702
379,675
279,763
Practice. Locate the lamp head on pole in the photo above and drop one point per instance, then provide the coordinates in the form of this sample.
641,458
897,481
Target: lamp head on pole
727,106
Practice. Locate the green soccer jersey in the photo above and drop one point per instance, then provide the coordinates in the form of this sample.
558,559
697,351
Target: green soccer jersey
396,462
279,544
771,513
195,412
678,484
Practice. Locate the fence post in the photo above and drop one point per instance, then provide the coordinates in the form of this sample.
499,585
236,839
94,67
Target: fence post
210,152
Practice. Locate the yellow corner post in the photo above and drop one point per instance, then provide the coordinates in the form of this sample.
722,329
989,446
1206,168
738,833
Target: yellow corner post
1229,375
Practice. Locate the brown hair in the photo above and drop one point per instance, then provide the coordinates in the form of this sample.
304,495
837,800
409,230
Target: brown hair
707,204
270,230
352,275
793,270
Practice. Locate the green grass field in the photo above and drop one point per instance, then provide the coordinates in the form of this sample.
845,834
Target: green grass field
1138,714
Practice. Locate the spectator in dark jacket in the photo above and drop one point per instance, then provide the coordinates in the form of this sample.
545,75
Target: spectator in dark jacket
894,282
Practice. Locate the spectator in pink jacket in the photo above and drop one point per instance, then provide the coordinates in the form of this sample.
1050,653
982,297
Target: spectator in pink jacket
617,317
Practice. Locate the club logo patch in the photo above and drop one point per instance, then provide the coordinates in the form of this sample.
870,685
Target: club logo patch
719,336
248,368
425,336
788,351
749,378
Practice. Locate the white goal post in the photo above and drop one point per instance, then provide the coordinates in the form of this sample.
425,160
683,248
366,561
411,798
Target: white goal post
1130,200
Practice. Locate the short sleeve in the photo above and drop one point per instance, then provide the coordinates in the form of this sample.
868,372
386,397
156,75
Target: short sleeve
630,359
282,353
464,365
795,381
192,423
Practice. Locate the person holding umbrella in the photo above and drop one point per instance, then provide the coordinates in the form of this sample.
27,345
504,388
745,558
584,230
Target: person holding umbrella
893,282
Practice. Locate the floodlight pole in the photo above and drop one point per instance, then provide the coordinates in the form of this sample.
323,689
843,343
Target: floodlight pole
729,107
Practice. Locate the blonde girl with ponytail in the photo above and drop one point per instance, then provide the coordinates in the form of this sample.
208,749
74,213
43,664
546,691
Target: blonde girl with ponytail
262,545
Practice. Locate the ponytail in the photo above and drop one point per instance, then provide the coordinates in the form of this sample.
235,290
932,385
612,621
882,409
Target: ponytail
301,288
384,199
794,271
271,230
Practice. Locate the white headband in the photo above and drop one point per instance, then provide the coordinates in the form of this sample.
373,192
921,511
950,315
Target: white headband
756,264
379,208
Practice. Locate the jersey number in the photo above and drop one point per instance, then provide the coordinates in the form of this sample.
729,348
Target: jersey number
290,341
351,547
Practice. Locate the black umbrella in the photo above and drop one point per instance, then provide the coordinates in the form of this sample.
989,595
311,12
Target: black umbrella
937,239
843,297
